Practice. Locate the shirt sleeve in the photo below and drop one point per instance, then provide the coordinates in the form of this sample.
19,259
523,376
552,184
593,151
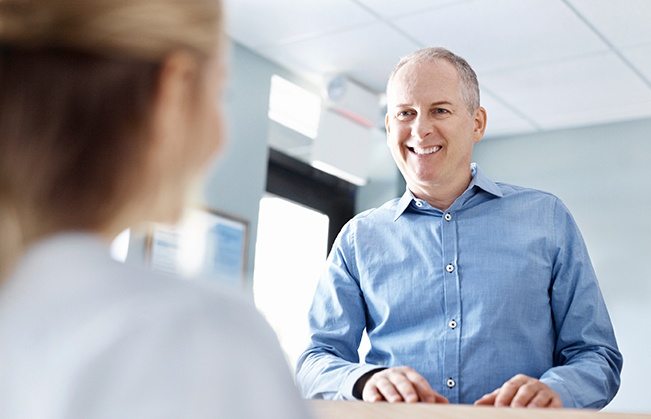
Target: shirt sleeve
586,358
330,367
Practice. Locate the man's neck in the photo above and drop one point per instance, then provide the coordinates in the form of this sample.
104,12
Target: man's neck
441,196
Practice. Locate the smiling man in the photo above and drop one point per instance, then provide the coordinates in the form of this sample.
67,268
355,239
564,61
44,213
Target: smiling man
471,291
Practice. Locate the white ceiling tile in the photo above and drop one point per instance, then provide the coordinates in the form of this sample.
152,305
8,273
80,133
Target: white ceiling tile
588,90
536,55
625,112
393,8
497,34
366,54
501,120
640,57
257,23
623,23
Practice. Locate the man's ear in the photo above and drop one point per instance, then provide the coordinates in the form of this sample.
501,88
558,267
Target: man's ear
387,127
479,119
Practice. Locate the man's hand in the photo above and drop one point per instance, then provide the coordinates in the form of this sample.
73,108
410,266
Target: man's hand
400,384
522,391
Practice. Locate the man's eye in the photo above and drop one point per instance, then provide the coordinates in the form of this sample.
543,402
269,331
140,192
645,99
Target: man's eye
404,114
441,111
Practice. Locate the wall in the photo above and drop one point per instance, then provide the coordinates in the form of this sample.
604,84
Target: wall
237,179
602,173
384,180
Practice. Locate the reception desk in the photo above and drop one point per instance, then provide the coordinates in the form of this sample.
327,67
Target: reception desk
360,410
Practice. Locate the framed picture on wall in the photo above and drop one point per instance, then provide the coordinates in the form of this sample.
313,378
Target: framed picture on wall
205,244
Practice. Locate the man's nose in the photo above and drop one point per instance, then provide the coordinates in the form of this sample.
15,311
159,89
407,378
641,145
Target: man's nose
421,128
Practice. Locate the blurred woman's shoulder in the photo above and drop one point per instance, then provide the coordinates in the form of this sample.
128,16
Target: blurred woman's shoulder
77,326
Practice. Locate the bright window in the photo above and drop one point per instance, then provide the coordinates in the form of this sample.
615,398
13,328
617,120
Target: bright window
294,107
290,256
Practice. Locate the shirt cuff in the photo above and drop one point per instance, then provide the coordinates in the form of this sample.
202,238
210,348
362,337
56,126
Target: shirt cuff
558,386
348,385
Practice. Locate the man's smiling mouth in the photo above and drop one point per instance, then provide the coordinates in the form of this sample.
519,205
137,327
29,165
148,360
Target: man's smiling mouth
424,150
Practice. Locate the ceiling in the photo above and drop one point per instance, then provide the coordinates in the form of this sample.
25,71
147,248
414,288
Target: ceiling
542,64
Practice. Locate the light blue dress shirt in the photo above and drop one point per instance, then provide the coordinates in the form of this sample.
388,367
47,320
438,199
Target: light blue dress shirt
499,284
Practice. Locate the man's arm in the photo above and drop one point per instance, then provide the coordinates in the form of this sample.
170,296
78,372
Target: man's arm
587,358
587,361
330,367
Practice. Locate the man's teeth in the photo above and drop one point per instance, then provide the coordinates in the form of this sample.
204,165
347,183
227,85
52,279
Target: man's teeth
428,150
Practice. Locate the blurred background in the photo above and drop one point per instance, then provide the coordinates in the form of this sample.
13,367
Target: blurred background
567,88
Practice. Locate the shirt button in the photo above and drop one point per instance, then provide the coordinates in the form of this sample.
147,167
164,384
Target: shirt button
449,268
419,204
447,216
452,324
450,383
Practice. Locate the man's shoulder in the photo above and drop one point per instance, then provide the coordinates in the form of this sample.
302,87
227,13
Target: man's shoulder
529,200
385,212
373,219
522,192
511,189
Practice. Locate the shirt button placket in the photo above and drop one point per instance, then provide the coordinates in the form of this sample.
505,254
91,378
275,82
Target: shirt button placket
451,286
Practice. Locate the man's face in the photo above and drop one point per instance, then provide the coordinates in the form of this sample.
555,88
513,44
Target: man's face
430,131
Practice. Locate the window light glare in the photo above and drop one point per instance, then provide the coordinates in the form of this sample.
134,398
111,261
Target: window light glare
120,246
342,174
294,107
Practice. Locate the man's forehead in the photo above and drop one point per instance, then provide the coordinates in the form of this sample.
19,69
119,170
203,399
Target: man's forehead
423,70
436,79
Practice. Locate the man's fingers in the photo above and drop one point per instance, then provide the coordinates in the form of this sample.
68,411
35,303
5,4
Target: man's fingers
398,384
487,399
505,395
522,391
439,398
404,386
508,390
526,393
371,394
556,402
425,392
388,390
542,399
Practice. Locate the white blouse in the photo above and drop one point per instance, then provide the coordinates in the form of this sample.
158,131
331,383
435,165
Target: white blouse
82,336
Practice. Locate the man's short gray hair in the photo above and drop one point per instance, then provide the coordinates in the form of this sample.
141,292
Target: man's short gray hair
468,77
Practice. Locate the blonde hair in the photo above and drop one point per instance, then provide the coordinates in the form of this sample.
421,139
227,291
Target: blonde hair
78,79
145,29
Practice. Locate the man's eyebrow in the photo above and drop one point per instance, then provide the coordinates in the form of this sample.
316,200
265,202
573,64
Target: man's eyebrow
440,102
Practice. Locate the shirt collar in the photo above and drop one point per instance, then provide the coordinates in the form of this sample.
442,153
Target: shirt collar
479,179
403,203
482,181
